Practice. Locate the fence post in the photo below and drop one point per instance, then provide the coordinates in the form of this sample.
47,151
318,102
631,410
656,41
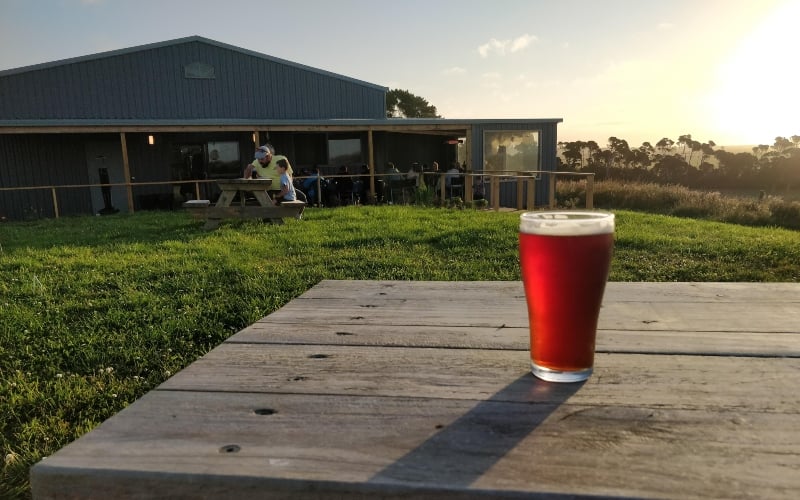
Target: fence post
467,188
552,180
590,192
55,201
532,192
520,190
495,183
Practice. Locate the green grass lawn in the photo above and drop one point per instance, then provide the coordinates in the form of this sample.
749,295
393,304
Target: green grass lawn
96,311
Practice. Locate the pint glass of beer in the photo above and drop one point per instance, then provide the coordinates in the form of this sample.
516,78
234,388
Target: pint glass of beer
564,258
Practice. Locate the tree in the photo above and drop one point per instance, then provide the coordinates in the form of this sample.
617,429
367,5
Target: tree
671,169
707,149
621,151
404,104
735,167
694,146
665,145
684,141
781,144
572,152
759,150
643,155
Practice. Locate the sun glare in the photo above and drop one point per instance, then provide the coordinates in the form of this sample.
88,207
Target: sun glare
755,99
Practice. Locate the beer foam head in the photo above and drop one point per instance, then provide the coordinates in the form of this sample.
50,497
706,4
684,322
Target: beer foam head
566,223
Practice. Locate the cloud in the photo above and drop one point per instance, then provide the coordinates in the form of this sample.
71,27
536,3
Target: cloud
455,70
501,47
522,42
665,26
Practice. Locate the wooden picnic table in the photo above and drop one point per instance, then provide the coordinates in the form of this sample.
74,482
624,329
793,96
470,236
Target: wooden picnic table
401,389
254,188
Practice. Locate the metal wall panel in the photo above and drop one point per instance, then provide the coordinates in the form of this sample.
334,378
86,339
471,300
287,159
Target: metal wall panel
151,83
42,160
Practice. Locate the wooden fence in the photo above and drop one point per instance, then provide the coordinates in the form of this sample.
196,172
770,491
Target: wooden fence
526,183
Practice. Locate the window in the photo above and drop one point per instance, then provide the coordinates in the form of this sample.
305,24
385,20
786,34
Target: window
344,151
510,150
223,160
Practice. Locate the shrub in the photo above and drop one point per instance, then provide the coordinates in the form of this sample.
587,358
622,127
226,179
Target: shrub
681,201
784,213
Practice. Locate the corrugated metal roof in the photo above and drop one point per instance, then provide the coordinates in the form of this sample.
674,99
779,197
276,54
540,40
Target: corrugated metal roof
177,41
184,79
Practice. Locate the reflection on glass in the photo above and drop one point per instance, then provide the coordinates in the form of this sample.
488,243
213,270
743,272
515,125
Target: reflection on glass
510,150
223,159
344,151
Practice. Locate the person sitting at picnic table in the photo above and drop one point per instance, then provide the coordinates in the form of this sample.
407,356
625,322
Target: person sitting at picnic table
394,173
361,186
265,166
435,178
413,173
310,186
453,180
344,186
287,191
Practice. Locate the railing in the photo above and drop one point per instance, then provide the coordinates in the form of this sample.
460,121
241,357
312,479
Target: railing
525,186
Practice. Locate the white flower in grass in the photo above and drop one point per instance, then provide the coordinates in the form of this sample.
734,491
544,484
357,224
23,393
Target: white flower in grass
59,375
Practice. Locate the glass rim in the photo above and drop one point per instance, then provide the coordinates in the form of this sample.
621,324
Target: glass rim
570,214
567,222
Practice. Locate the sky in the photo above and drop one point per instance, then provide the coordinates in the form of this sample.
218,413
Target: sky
721,70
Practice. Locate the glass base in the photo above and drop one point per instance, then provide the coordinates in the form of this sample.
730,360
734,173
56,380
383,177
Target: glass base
560,376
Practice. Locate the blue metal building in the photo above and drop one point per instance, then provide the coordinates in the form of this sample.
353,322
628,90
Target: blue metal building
193,108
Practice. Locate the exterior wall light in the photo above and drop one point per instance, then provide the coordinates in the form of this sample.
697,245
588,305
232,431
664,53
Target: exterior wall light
151,140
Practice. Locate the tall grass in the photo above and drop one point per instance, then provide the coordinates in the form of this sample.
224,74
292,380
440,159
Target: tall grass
96,311
684,202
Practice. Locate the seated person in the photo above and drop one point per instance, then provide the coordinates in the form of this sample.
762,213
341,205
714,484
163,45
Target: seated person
265,167
287,192
453,180
394,174
413,174
344,186
361,185
310,185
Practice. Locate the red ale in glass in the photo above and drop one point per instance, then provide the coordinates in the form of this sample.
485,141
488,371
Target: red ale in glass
564,259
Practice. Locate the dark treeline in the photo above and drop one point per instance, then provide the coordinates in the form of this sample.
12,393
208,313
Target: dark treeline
688,162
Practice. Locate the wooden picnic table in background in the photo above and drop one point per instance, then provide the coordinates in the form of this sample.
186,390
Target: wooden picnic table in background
244,188
398,389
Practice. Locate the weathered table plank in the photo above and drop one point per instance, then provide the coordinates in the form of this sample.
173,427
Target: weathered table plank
750,343
318,444
654,381
502,305
615,291
422,389
638,316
